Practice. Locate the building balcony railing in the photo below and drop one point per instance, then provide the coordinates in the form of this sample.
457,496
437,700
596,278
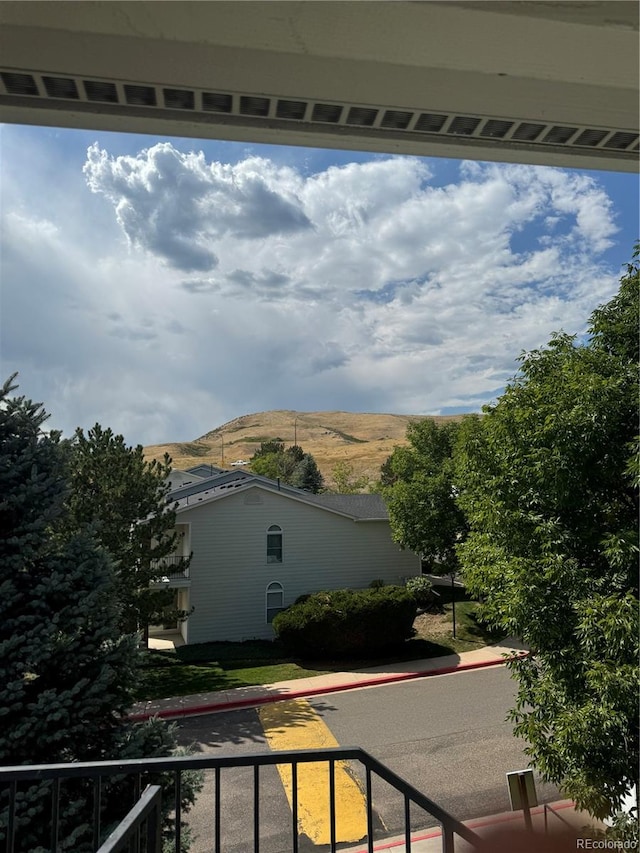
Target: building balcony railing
138,827
170,567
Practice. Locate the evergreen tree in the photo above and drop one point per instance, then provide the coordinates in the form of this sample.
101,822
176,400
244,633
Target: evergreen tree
123,496
307,475
67,672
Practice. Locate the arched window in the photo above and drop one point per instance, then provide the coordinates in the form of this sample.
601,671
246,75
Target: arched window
275,600
274,544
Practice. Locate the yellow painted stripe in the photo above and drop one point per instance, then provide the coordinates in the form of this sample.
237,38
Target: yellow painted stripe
293,724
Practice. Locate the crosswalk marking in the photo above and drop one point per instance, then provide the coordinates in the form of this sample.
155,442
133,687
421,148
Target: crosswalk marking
294,724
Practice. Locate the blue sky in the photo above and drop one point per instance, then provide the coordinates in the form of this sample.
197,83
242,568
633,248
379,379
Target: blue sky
164,286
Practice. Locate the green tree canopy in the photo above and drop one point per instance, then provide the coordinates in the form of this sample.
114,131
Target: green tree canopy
67,672
114,488
420,491
553,548
292,466
346,481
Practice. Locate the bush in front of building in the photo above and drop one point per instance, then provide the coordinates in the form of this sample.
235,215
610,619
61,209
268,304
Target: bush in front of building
347,622
423,592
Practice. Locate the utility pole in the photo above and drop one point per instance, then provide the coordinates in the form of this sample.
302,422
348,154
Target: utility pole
222,440
295,432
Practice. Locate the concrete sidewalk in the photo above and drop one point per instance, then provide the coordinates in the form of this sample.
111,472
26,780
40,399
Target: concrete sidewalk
555,827
334,682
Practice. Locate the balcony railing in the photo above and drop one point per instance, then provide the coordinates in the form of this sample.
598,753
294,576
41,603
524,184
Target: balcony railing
15,777
169,566
141,828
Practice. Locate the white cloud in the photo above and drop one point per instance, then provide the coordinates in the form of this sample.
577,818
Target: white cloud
175,204
251,286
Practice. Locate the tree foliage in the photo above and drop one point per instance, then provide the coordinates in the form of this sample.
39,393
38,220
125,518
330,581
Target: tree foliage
552,503
420,491
114,488
67,672
292,466
345,480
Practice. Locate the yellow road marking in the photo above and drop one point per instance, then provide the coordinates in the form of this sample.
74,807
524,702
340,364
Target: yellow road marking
293,724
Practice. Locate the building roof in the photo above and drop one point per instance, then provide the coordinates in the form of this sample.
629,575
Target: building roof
357,507
178,479
205,470
362,506
205,484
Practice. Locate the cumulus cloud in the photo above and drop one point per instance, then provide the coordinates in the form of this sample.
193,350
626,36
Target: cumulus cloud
371,286
176,205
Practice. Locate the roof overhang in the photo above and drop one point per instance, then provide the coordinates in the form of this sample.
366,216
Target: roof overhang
534,82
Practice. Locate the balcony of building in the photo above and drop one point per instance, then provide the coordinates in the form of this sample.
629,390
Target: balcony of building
141,829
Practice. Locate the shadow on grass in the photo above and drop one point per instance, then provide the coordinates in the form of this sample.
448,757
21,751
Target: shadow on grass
414,649
212,667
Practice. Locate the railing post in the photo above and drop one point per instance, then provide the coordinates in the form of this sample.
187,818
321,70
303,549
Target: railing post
97,807
369,811
256,808
154,829
217,810
332,802
178,811
11,820
294,804
447,839
407,824
55,814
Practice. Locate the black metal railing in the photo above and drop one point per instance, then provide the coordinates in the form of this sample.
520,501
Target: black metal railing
141,827
168,566
100,771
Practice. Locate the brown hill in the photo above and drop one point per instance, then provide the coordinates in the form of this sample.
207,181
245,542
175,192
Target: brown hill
362,440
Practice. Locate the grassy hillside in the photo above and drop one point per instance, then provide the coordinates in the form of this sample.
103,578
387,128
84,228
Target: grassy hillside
362,440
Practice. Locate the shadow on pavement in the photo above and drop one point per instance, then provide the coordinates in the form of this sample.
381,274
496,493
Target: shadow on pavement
218,730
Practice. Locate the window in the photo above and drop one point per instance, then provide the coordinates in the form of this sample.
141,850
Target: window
275,600
274,544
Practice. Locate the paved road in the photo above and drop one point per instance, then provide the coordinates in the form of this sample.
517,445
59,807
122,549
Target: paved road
446,735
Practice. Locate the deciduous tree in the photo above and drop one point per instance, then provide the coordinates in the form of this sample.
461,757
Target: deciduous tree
345,480
293,466
552,503
422,497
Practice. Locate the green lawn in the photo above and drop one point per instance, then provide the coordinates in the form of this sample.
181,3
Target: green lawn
208,667
470,632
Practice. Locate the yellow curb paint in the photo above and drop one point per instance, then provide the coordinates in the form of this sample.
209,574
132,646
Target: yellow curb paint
293,724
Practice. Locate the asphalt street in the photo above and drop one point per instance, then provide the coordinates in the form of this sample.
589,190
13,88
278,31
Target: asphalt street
446,735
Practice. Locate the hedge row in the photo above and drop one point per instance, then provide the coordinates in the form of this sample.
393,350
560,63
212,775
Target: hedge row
347,622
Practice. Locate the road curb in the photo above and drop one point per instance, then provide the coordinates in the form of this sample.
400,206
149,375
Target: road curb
235,705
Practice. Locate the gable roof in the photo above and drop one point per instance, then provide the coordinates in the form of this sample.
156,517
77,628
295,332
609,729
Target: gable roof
367,507
356,507
205,470
178,479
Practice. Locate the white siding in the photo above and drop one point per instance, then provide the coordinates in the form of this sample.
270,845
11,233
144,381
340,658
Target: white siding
321,550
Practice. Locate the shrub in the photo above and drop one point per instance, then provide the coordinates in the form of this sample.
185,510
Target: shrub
422,591
377,583
346,623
